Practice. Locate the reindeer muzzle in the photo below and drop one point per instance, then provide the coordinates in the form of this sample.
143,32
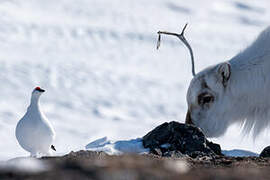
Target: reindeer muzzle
188,118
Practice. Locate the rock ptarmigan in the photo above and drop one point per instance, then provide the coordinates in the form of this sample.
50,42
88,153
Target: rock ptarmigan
34,132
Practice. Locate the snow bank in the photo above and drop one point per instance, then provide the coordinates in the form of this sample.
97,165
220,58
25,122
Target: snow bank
117,147
239,153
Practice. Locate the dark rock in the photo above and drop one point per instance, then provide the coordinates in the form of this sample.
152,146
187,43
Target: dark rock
157,151
265,152
174,154
182,138
198,154
215,147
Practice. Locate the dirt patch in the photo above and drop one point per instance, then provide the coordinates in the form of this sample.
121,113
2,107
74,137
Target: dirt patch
98,165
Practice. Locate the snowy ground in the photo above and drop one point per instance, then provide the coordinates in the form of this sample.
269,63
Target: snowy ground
98,62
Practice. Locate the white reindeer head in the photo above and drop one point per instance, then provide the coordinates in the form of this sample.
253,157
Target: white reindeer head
206,94
207,100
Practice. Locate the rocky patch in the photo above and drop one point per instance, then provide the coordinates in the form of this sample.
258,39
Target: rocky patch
177,139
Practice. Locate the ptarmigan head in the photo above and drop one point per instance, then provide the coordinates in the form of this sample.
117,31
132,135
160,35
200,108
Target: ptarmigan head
37,92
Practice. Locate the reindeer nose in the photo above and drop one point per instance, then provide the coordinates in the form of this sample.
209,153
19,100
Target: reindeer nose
188,118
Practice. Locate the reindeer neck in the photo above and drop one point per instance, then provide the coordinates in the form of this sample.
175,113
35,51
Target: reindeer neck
249,88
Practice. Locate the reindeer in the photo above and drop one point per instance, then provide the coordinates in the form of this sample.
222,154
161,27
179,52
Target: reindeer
234,91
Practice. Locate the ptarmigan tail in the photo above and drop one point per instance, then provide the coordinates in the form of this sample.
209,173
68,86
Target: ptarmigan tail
53,148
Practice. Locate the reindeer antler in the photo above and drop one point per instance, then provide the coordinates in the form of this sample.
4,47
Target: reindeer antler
183,39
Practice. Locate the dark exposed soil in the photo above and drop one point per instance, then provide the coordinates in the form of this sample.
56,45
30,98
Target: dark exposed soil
98,165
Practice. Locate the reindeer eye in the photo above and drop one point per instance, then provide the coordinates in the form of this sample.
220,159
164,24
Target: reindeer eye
205,98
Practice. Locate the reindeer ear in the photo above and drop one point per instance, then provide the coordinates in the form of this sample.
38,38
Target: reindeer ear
224,72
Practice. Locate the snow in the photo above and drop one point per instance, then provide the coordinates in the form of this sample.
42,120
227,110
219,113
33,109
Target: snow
117,147
239,153
101,71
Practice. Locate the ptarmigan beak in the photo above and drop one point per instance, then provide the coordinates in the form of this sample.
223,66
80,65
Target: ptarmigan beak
39,89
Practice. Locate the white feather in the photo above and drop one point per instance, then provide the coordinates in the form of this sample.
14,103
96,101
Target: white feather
34,132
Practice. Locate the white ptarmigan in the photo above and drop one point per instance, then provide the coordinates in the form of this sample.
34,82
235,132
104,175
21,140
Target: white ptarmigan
34,132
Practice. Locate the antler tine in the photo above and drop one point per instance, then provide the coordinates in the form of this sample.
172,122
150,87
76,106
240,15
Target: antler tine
183,39
183,30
